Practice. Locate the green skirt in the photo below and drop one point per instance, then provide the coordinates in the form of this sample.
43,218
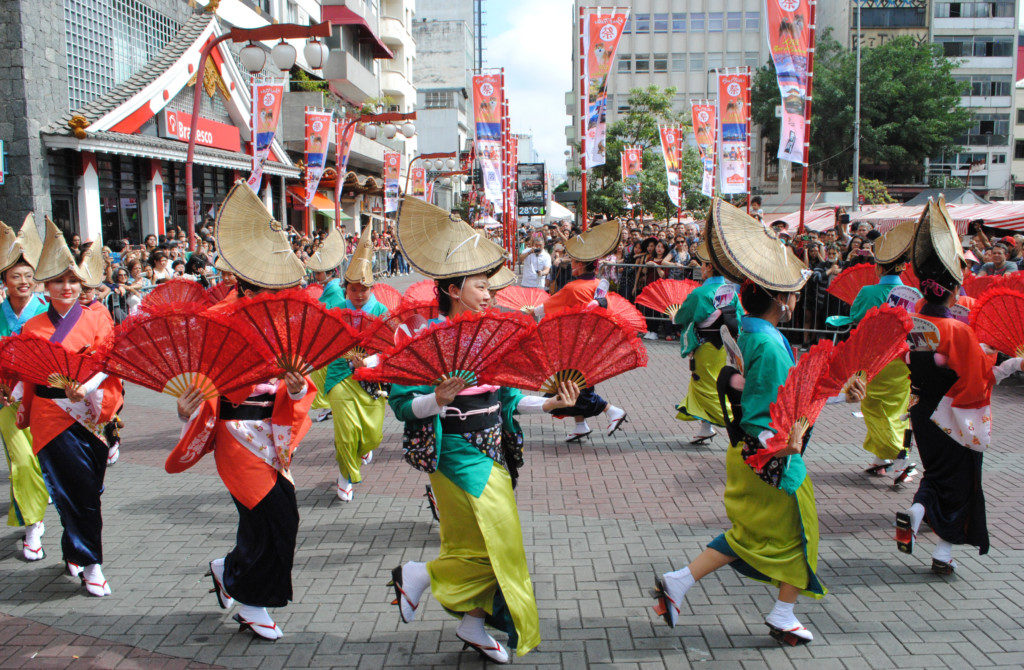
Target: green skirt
884,406
774,535
701,401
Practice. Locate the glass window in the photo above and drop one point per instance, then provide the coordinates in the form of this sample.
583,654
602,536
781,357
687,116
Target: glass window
643,24
752,21
1020,116
714,61
679,65
733,59
1018,150
696,62
734,21
661,62
628,26
998,159
696,22
625,64
751,59
643,65
714,22
661,23
679,22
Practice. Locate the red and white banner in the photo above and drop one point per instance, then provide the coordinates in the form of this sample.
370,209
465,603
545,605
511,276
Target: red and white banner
734,113
705,132
789,35
672,152
342,145
392,167
266,111
418,182
318,139
601,39
430,191
488,99
631,160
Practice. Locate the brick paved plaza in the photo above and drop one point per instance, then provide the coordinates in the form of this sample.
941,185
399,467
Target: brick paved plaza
598,519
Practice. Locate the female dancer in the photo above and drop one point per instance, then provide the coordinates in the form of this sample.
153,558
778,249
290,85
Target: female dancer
774,533
28,491
67,425
252,433
481,573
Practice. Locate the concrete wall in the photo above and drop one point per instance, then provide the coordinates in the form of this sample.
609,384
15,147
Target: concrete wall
445,54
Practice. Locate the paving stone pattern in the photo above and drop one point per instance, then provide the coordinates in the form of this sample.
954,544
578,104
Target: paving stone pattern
598,519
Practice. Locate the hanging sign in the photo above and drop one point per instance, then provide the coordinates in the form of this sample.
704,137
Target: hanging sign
266,110
788,41
318,139
734,112
601,39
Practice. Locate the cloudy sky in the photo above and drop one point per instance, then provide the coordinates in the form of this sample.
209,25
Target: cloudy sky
532,39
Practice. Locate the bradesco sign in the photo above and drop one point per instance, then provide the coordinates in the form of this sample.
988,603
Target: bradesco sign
176,126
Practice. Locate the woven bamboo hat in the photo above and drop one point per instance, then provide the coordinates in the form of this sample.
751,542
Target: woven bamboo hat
25,245
252,244
56,258
221,265
501,279
330,254
596,243
895,244
441,245
741,248
360,267
936,246
702,253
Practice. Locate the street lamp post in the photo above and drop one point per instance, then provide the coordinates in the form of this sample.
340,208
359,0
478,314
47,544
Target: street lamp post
281,31
856,121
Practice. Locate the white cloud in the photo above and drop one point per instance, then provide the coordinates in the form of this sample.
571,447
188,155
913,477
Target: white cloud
534,45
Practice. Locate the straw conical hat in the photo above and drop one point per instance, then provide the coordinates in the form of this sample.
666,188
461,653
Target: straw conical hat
90,270
502,278
55,258
892,246
221,266
25,245
441,245
9,251
252,244
330,254
595,243
936,243
702,253
742,248
360,267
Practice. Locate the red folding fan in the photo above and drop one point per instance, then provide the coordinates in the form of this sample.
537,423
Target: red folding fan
36,360
414,314
625,312
421,291
458,347
177,291
975,287
580,345
376,334
314,291
909,278
879,339
519,297
301,334
798,403
998,321
387,296
175,347
220,291
850,281
666,295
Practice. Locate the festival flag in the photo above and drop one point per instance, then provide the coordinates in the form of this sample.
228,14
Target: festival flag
631,160
430,191
418,182
318,138
672,152
392,166
344,133
601,38
788,41
705,132
734,115
266,110
487,101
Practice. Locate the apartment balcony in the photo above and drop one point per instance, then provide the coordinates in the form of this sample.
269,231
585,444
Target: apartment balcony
396,35
349,78
394,84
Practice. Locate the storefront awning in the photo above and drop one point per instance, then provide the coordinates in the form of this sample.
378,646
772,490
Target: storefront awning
320,203
339,15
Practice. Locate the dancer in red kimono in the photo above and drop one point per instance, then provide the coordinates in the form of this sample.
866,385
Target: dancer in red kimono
252,434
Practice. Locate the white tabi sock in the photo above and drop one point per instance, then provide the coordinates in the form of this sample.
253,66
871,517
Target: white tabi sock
471,629
615,412
582,427
943,552
916,516
879,461
782,616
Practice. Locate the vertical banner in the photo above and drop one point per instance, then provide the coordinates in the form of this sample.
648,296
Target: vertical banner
487,105
631,160
392,166
705,130
788,42
672,151
266,110
3,168
418,182
430,192
318,138
734,112
342,145
601,38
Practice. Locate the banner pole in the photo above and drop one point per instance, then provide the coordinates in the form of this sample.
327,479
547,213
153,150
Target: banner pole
807,116
583,121
747,114
679,179
714,151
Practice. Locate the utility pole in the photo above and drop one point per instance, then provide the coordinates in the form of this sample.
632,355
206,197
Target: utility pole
856,121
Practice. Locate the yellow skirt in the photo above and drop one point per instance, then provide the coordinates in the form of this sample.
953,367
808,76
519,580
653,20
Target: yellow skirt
358,425
482,550
884,405
319,377
28,491
701,401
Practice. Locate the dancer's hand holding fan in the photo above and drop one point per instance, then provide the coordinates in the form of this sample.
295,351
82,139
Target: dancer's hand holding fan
666,295
301,334
848,283
521,298
177,348
458,347
35,360
175,291
879,339
998,321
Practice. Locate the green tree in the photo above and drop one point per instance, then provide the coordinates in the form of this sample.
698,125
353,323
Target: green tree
872,191
910,107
